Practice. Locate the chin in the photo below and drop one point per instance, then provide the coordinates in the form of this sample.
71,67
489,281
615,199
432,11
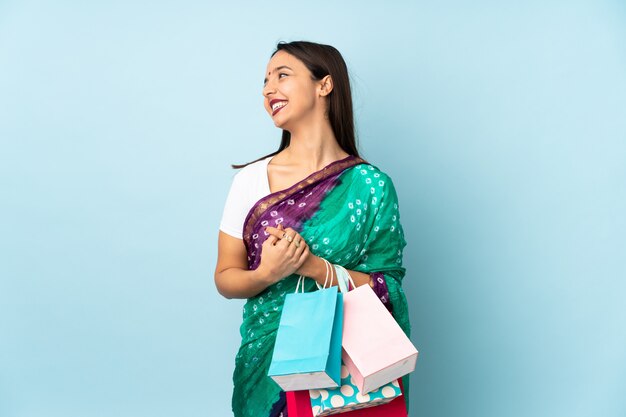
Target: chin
280,124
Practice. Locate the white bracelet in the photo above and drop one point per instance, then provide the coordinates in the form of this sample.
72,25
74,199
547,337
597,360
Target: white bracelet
327,265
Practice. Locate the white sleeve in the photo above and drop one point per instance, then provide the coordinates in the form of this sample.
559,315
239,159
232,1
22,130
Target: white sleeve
236,207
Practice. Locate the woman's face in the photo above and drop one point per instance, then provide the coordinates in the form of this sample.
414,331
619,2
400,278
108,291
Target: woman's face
291,95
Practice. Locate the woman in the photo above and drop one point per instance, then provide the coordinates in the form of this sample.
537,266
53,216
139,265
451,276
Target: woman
311,200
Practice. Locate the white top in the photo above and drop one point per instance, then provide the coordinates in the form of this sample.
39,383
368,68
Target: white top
249,185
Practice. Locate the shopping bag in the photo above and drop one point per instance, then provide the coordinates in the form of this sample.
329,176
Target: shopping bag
307,351
299,405
329,401
375,349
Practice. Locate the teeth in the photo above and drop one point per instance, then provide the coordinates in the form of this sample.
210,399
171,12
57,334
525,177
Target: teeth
279,105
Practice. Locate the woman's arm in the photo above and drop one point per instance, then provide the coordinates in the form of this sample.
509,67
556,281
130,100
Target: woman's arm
233,279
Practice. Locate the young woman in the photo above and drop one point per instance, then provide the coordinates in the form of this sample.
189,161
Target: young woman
312,199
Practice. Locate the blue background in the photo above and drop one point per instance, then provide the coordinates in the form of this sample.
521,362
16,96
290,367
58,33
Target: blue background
502,125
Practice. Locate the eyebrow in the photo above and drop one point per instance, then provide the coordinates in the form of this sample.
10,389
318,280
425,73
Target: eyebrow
276,69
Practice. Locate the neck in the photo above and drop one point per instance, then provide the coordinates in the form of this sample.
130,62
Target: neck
314,147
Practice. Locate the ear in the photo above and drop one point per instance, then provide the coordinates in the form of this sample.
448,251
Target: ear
325,85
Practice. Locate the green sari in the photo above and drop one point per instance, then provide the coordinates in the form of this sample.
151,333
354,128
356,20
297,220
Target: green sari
348,214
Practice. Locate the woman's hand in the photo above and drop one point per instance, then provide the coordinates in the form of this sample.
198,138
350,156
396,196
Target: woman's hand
309,265
284,252
313,266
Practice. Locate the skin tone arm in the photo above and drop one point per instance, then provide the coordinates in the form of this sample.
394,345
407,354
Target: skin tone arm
280,259
233,279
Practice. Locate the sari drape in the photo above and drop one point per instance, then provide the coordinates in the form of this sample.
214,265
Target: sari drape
348,214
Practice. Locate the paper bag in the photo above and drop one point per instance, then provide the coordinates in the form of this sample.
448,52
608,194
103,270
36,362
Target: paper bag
375,349
307,352
299,405
330,401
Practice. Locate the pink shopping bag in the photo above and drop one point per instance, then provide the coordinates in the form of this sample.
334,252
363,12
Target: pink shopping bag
299,405
375,349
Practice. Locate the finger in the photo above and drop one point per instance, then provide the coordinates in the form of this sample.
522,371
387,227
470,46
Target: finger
274,231
271,240
303,256
299,245
295,236
300,248
283,243
290,234
300,239
291,250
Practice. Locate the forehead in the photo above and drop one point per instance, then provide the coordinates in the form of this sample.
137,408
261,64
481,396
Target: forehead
283,58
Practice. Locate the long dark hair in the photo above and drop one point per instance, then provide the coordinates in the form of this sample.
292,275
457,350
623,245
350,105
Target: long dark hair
323,60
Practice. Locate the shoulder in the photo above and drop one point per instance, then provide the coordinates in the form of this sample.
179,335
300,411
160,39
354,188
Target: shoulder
371,174
372,183
254,167
251,172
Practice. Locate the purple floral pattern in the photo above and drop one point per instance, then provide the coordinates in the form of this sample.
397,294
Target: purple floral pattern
380,289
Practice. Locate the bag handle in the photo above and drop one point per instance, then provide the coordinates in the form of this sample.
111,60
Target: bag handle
328,271
300,280
343,278
319,287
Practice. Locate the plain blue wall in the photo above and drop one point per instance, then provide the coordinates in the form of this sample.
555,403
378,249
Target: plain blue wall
502,125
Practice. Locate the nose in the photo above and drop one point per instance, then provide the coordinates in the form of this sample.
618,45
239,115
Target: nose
268,88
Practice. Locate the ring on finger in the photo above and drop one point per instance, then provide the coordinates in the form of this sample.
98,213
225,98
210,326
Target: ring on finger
289,238
297,243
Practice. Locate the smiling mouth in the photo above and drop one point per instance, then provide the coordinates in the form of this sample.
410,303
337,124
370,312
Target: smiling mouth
276,108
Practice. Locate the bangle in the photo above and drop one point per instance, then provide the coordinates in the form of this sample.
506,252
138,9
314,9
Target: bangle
328,271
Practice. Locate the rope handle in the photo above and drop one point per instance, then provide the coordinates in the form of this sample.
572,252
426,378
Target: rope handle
343,278
328,272
300,280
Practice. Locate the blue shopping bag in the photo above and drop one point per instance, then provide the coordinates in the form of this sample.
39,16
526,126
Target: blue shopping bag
307,352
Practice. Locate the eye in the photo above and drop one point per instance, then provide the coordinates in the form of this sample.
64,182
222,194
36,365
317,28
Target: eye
279,74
